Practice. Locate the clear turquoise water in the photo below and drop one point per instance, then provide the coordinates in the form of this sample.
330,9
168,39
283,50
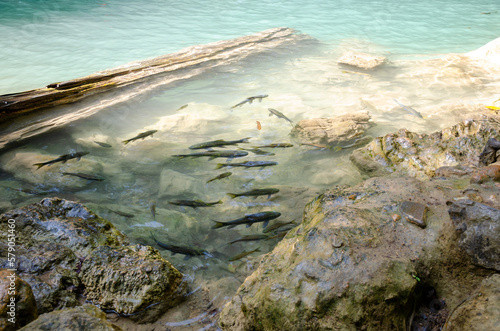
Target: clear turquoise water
48,41
45,41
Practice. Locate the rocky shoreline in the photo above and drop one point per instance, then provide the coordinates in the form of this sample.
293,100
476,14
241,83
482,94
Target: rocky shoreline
394,251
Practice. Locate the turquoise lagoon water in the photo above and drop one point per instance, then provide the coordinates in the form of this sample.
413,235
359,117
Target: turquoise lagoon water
45,41
48,41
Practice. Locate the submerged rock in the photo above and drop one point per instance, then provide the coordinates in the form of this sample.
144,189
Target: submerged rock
86,317
332,131
362,60
419,155
17,303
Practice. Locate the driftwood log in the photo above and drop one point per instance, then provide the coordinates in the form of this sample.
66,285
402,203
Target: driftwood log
25,114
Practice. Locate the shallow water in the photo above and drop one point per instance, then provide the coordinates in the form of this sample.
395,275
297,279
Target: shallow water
303,83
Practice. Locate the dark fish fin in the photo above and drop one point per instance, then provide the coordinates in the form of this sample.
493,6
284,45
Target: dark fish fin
245,140
219,202
249,225
126,141
210,158
232,195
269,197
270,114
187,257
183,209
219,165
64,161
231,226
265,224
39,165
217,225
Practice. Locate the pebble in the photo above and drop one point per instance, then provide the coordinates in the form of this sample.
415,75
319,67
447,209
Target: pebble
414,213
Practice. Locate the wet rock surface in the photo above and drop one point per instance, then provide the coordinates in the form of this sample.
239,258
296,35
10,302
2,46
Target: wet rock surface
480,311
17,303
479,228
132,280
361,60
86,317
64,250
332,131
419,155
312,279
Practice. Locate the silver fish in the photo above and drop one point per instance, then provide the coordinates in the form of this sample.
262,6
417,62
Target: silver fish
409,109
140,136
279,114
250,100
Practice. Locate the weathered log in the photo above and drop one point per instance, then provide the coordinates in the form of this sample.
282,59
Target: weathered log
139,77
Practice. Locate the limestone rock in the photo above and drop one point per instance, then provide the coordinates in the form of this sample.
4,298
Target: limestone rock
66,222
481,311
479,228
419,155
51,269
17,303
485,174
132,280
86,317
332,131
362,60
312,280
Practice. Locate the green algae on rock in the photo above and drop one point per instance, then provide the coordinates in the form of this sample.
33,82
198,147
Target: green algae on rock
132,280
63,247
349,266
419,155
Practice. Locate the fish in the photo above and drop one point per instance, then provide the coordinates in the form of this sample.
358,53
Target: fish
282,145
185,250
243,254
140,136
316,145
493,107
194,203
256,192
275,226
121,213
103,144
258,125
355,72
152,208
248,164
409,109
251,237
278,235
182,107
250,219
257,151
357,142
250,100
279,114
218,143
84,176
223,175
62,158
215,154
